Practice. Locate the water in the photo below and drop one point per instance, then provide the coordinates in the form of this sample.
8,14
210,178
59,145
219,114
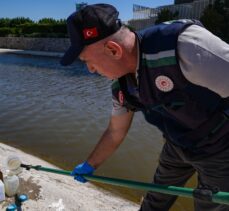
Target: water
58,113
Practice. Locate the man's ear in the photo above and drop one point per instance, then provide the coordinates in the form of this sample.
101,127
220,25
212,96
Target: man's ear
113,49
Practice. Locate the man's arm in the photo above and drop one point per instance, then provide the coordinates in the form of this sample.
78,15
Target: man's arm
204,59
111,138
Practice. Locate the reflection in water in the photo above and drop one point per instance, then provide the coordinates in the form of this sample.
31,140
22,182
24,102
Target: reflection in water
58,113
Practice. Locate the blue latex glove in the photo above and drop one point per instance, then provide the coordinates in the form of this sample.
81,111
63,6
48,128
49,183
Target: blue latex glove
83,168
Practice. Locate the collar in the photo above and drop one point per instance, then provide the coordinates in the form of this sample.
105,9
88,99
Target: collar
138,40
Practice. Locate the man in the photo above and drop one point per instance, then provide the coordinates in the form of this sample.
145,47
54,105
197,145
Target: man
177,74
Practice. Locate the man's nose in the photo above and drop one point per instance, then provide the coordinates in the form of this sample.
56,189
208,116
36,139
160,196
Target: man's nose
91,68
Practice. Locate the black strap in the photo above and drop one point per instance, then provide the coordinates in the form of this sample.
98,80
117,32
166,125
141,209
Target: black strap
205,193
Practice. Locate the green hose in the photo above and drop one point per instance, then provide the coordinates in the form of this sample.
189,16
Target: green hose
204,194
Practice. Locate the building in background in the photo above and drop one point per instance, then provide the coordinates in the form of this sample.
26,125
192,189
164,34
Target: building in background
143,17
146,16
142,12
79,6
182,1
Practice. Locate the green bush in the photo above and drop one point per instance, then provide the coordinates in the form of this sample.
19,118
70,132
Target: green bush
46,27
18,21
46,35
5,31
35,28
47,21
60,28
43,29
4,22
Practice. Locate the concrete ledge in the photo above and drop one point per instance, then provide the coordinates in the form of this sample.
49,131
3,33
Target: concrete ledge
48,191
30,52
35,44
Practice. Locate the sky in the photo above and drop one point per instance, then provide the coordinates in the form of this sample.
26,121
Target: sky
61,9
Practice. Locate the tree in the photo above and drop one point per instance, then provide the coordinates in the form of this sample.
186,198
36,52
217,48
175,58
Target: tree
19,21
212,20
47,21
166,15
216,19
4,22
62,21
20,26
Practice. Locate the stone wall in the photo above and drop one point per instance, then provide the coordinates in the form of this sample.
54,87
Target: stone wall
35,44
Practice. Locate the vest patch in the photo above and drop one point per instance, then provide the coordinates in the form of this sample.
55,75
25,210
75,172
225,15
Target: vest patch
164,83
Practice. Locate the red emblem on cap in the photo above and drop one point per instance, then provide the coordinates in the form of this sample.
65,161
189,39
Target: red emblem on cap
164,83
90,33
121,97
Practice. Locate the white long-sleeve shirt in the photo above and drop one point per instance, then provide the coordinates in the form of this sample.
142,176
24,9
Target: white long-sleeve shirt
204,59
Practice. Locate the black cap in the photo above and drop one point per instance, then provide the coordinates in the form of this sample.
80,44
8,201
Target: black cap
89,25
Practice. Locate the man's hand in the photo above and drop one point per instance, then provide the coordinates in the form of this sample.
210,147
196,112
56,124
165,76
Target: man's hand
83,168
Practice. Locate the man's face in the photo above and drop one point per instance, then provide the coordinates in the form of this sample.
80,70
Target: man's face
98,62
